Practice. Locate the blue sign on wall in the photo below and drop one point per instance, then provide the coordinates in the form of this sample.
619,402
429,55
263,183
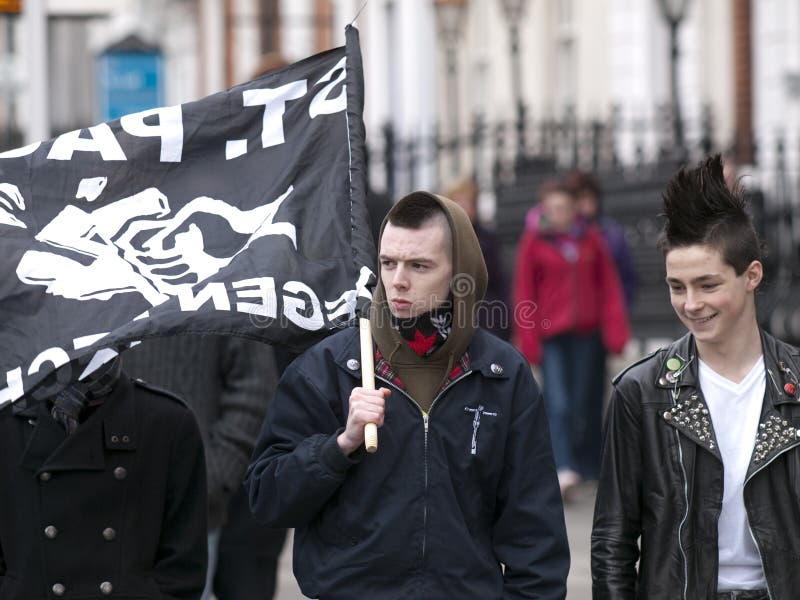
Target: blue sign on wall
130,81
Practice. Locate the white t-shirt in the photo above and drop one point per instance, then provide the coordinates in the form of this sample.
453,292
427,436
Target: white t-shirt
735,409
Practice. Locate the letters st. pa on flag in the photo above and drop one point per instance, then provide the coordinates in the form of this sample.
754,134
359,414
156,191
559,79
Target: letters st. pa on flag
241,214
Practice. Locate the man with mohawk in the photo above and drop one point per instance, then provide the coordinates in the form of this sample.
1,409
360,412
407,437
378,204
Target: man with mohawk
700,481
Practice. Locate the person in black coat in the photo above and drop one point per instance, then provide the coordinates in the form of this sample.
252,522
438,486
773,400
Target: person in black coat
102,493
227,382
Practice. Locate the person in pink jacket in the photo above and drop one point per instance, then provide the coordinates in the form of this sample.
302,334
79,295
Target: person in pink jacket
569,309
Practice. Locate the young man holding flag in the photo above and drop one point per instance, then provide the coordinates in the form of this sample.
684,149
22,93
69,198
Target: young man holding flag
461,500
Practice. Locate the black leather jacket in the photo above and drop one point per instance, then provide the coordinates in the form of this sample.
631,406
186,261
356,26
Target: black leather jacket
661,487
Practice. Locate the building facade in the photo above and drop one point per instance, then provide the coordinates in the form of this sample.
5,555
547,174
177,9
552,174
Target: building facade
432,80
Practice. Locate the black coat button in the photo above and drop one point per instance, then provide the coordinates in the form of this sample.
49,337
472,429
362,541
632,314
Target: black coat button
58,589
120,473
106,588
51,532
109,534
45,476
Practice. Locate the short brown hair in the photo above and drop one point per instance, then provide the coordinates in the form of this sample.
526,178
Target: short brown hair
414,210
581,181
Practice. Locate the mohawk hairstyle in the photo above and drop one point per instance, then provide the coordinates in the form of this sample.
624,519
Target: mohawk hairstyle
702,210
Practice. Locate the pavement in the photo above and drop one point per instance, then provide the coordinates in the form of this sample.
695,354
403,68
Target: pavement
578,513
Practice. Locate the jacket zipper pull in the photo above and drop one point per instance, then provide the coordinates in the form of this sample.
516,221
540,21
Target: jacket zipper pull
425,421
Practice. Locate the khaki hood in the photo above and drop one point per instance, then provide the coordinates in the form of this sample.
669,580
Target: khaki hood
424,375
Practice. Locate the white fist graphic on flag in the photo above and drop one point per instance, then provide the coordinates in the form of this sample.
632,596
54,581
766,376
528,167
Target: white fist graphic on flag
132,246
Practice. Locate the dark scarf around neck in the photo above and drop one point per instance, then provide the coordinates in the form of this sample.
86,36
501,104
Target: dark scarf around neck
427,332
74,403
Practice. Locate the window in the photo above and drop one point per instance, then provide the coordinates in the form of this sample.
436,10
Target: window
564,54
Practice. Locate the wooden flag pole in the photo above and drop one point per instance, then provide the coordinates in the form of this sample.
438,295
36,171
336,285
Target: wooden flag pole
368,379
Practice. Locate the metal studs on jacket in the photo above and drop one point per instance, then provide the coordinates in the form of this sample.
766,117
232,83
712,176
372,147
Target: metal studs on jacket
691,416
773,435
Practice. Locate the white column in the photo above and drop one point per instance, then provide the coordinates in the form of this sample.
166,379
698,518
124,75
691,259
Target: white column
344,11
400,75
297,28
708,55
179,44
35,24
638,70
376,39
770,102
592,60
417,102
212,39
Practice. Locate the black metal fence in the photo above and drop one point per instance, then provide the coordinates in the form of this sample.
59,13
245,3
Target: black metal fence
633,160
489,151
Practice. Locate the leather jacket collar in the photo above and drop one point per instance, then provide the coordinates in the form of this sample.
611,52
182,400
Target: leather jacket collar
781,366
689,413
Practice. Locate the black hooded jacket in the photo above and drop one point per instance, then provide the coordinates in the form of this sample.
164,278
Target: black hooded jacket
450,496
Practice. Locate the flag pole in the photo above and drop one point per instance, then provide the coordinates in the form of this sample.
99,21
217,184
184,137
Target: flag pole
368,379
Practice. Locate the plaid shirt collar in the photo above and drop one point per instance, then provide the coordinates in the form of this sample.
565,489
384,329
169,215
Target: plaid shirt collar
384,369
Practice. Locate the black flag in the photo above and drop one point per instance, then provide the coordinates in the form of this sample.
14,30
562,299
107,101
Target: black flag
242,214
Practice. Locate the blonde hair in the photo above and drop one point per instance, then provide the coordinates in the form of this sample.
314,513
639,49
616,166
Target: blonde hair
464,185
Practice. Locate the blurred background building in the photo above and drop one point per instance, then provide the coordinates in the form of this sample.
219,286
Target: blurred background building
508,91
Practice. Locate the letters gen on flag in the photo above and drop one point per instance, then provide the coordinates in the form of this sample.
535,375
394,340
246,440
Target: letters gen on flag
241,214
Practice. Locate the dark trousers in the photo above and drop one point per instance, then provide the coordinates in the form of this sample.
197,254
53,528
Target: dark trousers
744,595
573,369
248,555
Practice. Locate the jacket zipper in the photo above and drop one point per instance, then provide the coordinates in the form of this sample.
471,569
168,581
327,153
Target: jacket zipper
685,516
425,423
425,418
760,557
686,501
746,481
686,513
